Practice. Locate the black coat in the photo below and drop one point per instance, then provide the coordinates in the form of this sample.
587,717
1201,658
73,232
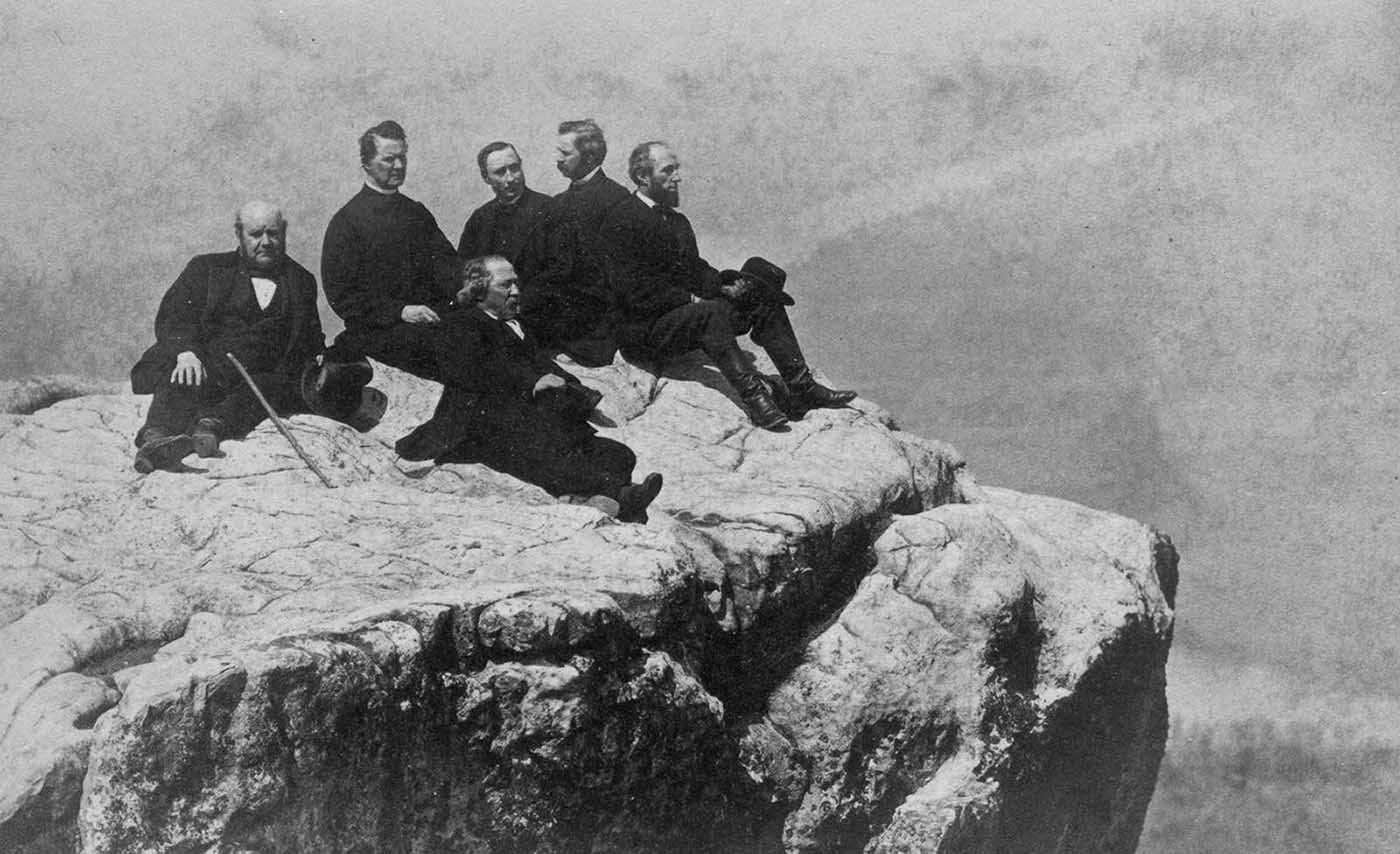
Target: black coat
383,252
189,319
488,400
566,272
656,260
505,230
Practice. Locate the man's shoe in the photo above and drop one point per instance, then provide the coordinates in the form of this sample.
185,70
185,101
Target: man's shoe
763,410
205,436
809,393
633,499
162,452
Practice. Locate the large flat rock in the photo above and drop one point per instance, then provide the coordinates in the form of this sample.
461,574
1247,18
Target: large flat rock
444,658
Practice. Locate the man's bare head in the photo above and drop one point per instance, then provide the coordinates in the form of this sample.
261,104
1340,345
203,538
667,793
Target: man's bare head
656,171
384,155
490,282
262,236
581,148
500,169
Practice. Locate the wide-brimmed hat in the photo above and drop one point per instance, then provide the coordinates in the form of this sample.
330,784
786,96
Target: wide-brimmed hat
767,277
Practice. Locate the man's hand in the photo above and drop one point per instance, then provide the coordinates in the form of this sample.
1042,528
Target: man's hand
737,289
419,314
548,381
188,370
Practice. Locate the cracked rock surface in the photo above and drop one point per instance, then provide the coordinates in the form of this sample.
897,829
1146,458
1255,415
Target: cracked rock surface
825,639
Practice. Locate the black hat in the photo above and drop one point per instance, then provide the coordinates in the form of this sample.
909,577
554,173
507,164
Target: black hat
769,278
340,390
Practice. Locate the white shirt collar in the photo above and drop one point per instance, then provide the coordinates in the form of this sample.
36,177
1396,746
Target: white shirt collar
647,200
380,190
590,176
264,289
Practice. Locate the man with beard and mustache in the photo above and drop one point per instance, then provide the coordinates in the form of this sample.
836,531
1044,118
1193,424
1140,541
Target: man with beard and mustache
508,405
503,225
674,301
388,270
567,292
255,303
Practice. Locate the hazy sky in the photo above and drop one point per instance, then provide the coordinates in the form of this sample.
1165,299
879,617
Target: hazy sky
1139,254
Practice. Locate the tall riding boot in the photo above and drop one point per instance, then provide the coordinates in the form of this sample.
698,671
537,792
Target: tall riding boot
773,332
753,389
810,394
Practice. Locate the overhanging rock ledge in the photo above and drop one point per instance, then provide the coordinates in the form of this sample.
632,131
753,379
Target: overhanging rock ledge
830,639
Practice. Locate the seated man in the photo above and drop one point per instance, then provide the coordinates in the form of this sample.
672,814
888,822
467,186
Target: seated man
255,303
387,268
674,301
569,294
503,225
506,404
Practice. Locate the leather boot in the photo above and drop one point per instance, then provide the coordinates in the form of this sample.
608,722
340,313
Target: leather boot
633,499
753,391
206,435
162,451
810,394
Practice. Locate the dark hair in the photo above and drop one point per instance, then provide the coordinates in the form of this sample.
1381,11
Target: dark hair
489,149
589,140
384,130
476,276
642,161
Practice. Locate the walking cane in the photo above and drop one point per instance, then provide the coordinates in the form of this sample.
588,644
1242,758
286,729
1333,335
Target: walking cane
282,428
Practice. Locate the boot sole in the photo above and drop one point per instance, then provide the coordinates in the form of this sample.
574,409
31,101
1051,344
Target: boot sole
163,454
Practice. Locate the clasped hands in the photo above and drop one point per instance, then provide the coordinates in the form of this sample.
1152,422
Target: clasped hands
737,290
419,314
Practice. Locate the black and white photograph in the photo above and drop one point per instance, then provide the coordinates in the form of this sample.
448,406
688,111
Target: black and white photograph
648,427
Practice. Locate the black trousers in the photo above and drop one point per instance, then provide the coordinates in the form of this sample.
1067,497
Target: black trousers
590,466
711,325
559,454
176,408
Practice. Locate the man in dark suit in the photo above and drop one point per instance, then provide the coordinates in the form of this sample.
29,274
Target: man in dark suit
388,270
673,300
567,290
508,405
503,225
255,303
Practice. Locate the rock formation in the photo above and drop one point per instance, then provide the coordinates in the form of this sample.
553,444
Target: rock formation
830,639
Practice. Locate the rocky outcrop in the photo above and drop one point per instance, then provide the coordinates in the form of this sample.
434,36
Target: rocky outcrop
826,639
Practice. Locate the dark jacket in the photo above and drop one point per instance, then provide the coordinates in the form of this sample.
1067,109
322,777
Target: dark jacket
567,286
488,398
497,229
381,253
656,260
192,316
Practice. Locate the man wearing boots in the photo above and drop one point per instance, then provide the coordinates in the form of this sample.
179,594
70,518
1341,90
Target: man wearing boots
673,300
506,404
253,302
